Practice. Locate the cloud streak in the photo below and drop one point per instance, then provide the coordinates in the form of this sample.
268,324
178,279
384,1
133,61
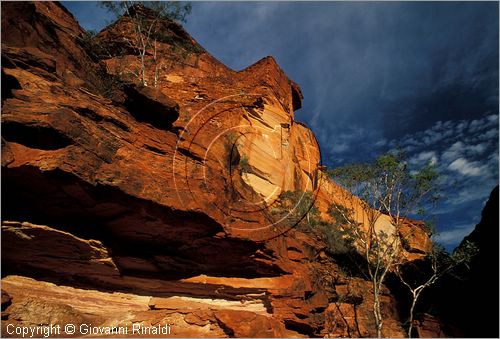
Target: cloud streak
453,236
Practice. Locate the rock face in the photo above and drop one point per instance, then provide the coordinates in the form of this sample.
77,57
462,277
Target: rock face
154,206
484,270
161,110
475,313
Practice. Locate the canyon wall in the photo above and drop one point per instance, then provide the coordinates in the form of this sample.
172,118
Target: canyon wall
126,204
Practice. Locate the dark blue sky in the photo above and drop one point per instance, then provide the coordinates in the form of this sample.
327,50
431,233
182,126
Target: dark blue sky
423,75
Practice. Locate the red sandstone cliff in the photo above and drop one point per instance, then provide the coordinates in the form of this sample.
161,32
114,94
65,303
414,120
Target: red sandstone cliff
153,206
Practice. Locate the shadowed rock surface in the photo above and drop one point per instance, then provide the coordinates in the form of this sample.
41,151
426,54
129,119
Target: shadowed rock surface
475,312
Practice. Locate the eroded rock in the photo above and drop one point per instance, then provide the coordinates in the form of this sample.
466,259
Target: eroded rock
151,105
158,211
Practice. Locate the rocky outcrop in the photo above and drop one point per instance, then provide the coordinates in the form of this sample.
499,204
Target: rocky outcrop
475,313
351,315
161,111
156,206
416,240
38,302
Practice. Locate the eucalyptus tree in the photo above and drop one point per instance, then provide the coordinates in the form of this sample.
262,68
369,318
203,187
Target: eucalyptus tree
148,30
385,191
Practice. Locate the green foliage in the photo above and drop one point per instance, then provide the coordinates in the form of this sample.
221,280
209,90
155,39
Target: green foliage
100,81
436,263
147,16
344,220
98,50
171,10
464,253
244,165
388,184
336,238
298,209
420,275
231,138
342,214
425,178
429,227
299,203
107,85
180,45
385,186
152,22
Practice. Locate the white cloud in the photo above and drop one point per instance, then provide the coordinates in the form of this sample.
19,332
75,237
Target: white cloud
493,119
433,135
475,125
423,158
468,134
454,235
472,189
477,149
483,123
489,135
461,126
493,161
465,167
460,150
453,152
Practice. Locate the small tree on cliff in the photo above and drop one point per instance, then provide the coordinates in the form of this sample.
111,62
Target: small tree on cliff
147,29
437,264
383,189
